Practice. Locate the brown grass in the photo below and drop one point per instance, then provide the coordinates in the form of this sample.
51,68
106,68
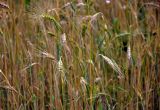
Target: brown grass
79,55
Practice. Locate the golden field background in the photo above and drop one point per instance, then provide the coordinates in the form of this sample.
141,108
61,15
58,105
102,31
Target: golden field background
79,55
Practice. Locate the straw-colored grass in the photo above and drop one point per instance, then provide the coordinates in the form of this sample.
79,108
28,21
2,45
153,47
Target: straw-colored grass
79,55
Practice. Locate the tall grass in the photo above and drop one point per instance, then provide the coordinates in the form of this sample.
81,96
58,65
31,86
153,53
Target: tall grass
79,55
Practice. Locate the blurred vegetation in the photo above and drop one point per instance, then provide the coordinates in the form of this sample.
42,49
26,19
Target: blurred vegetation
79,55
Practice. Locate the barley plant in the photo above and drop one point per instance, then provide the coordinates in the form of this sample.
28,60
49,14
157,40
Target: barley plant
79,55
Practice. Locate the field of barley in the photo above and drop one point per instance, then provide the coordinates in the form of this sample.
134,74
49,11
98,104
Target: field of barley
79,55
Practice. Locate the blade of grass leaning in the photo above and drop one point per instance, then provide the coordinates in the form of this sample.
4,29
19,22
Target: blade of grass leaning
114,65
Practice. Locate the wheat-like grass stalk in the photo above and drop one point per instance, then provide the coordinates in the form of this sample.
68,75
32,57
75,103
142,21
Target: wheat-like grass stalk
29,66
113,64
60,65
108,1
48,55
96,15
57,66
3,5
63,39
129,55
61,71
83,83
8,83
51,18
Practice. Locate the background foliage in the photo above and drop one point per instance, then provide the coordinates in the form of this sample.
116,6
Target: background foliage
79,55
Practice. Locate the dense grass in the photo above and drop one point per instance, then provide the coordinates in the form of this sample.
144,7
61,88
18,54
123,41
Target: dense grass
74,55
